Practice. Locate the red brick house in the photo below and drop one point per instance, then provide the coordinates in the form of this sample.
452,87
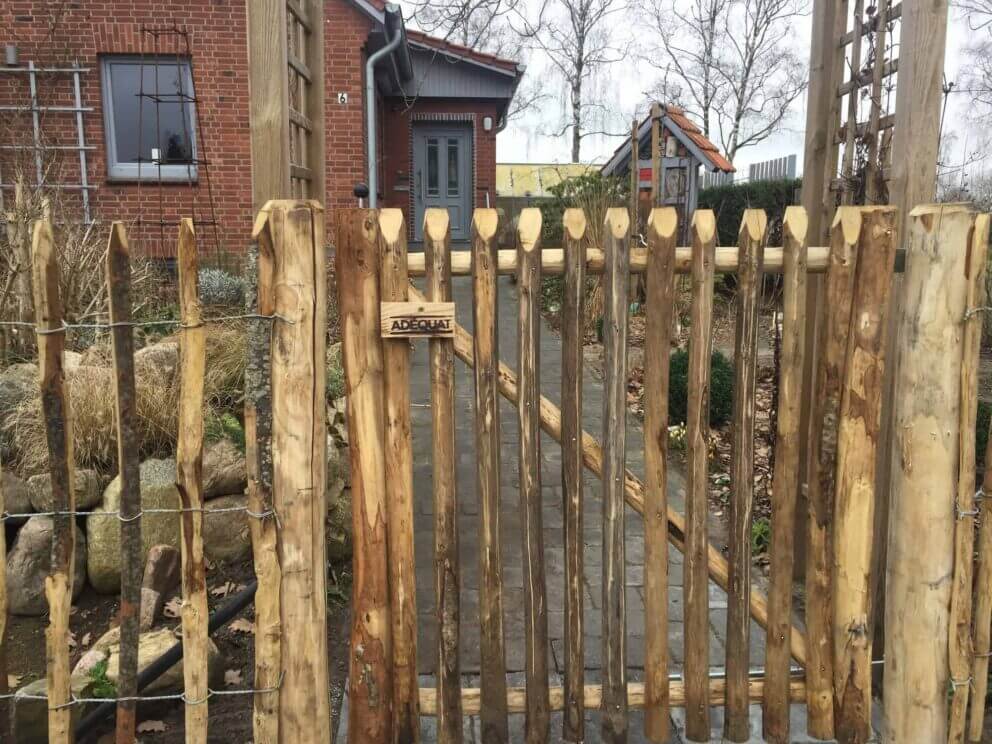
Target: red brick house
187,146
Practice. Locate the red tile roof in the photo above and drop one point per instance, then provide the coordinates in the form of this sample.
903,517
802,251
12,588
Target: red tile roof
458,50
676,114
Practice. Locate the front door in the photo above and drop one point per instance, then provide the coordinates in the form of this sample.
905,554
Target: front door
442,176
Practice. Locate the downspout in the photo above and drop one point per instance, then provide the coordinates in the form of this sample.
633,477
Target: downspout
370,64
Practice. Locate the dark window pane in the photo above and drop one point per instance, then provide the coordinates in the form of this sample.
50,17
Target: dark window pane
158,119
453,169
433,167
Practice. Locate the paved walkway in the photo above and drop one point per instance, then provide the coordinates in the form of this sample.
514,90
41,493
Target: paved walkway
550,358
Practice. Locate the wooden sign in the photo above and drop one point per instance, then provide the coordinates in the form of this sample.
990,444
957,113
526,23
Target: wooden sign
417,319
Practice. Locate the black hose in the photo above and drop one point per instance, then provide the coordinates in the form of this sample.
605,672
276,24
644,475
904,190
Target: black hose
166,661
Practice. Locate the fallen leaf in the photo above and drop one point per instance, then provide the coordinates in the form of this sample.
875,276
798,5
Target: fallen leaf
146,727
242,626
232,677
72,640
173,608
87,638
13,680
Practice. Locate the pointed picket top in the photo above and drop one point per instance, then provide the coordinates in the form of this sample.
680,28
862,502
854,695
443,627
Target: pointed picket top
754,223
663,222
529,228
391,224
849,221
704,225
618,221
485,222
437,223
574,222
796,223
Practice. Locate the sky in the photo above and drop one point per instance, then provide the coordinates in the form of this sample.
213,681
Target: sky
623,87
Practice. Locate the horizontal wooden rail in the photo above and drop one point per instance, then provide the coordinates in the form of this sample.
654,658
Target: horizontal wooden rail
593,696
553,261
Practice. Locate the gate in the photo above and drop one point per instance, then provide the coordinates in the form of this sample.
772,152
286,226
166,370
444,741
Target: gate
828,663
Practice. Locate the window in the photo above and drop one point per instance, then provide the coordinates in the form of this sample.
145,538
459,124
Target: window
148,118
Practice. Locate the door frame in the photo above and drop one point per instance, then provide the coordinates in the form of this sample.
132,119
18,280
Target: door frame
456,121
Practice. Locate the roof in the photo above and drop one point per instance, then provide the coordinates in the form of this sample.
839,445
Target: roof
464,52
535,179
686,131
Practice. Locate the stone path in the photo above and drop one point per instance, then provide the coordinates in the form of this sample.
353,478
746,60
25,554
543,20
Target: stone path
510,515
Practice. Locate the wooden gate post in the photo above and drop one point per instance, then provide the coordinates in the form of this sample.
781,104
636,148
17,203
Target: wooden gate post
924,473
295,231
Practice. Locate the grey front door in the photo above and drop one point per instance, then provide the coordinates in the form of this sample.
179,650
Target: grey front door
442,176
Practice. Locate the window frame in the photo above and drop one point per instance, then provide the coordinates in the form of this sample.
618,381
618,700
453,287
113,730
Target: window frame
129,171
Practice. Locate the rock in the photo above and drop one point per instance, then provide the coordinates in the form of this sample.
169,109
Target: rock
224,470
87,489
337,423
18,384
158,362
151,645
158,491
16,497
225,535
338,463
28,564
162,576
339,528
72,361
30,722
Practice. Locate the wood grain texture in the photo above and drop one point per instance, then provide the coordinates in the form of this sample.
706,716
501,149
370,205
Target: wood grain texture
857,451
189,482
919,573
822,455
370,677
696,577
416,319
259,299
662,229
775,720
614,665
655,156
4,710
960,645
437,247
538,719
495,725
58,428
393,283
572,337
118,271
592,696
592,459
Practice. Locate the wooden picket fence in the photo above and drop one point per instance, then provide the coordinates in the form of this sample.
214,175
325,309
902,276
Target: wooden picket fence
931,531
931,528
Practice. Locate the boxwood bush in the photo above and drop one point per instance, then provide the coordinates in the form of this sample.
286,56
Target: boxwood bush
721,388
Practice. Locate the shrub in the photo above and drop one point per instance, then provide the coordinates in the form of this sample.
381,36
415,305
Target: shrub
729,203
224,426
552,293
721,388
217,287
761,535
102,686
982,430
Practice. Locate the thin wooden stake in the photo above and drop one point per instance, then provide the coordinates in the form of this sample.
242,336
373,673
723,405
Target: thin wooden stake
189,481
370,677
572,333
784,484
399,484
538,718
437,241
119,286
4,717
822,457
960,647
696,578
615,283
58,426
751,239
495,725
926,457
857,449
662,231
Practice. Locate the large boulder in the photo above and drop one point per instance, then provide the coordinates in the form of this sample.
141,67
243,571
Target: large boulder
225,533
224,471
162,576
16,497
29,562
88,490
158,491
158,362
18,384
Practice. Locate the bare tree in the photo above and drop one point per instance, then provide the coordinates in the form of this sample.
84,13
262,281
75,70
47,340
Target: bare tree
578,38
728,62
976,74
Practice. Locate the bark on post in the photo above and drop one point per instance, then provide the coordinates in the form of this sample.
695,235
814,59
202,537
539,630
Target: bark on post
784,484
260,299
538,718
437,239
189,482
399,484
119,290
370,675
495,725
572,333
58,427
857,450
924,474
662,229
696,578
4,718
751,240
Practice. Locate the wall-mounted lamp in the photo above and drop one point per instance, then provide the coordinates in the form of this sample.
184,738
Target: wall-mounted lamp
487,123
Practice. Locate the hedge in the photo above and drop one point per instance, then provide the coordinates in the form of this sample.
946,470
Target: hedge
729,203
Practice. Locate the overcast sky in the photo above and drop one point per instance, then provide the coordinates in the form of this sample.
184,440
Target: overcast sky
623,88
